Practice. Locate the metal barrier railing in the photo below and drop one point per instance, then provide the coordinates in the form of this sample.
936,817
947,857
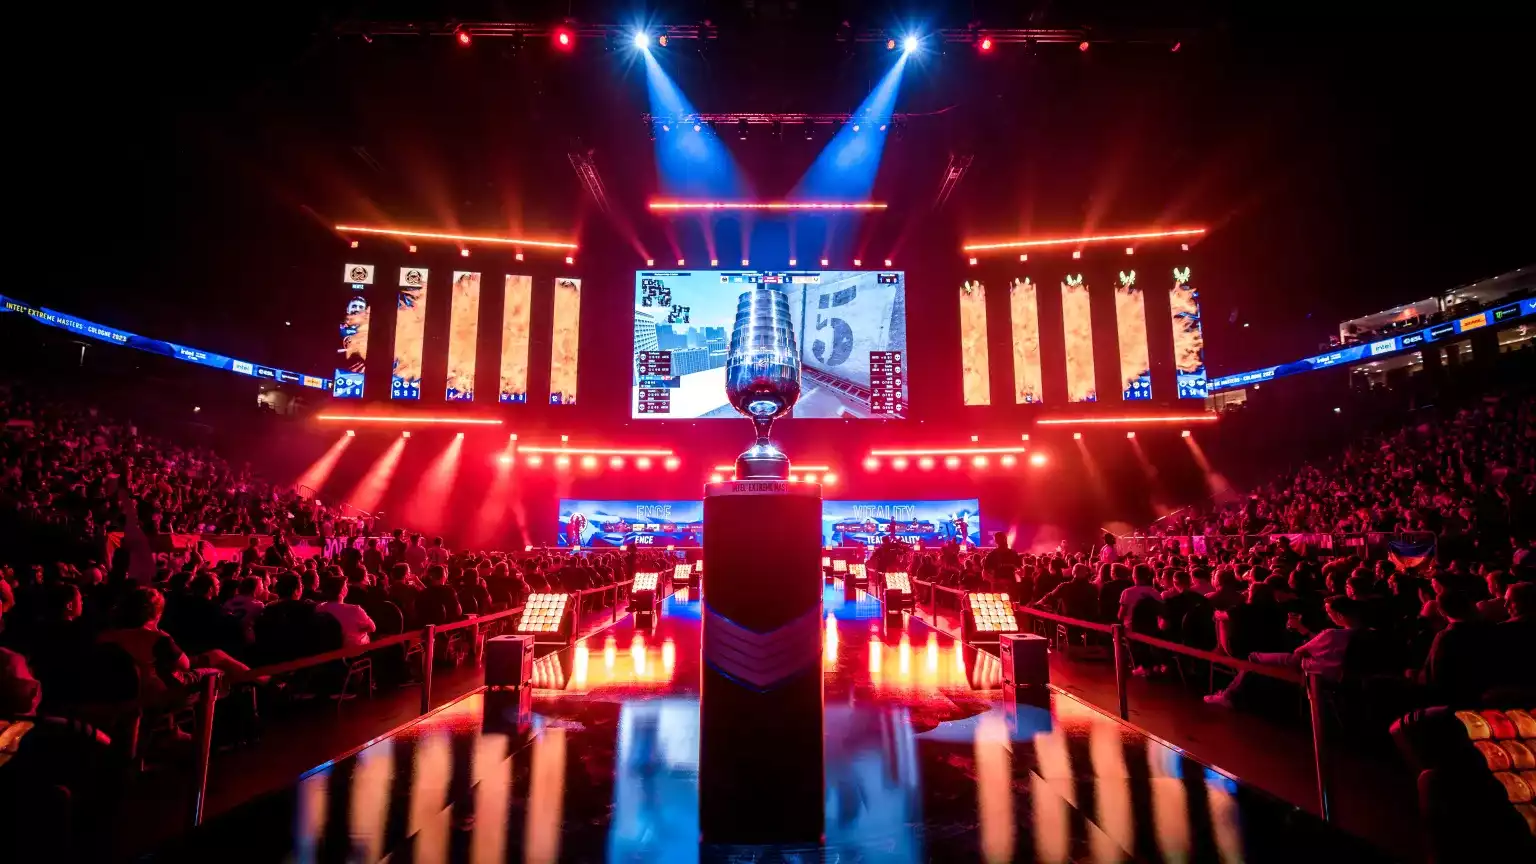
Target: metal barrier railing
205,694
1310,682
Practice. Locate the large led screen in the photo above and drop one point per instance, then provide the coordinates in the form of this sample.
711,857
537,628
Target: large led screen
1188,340
352,356
847,330
863,523
611,524
410,333
1077,324
516,311
565,340
1131,321
975,374
1024,309
463,330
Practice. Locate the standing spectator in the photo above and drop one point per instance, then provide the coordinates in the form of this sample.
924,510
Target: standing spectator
416,555
436,555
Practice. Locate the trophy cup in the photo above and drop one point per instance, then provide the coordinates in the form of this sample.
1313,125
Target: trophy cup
762,376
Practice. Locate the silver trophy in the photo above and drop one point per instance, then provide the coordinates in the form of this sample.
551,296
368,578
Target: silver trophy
762,376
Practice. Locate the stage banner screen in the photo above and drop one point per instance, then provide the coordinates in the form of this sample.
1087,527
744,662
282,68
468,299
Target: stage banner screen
1077,324
863,523
516,310
463,330
975,372
611,524
1188,339
1024,309
353,353
565,340
849,332
1131,320
410,332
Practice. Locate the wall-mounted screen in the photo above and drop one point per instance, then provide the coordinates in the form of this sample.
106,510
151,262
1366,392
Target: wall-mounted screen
1077,323
410,330
848,330
352,356
516,310
463,330
1024,310
1188,340
975,374
565,340
611,524
1131,323
863,523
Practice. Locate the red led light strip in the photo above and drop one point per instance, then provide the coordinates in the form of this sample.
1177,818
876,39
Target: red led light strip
464,238
793,467
593,451
1071,241
672,206
972,451
365,418
1122,421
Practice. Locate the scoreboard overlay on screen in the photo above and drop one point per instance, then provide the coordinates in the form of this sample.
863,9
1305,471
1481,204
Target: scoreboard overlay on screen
850,332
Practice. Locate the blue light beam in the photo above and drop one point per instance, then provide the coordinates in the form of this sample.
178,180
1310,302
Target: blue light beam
691,160
845,170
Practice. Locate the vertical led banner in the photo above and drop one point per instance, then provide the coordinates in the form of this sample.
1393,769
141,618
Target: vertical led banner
463,328
1131,320
516,308
976,381
564,342
1024,309
353,353
1077,321
410,332
1188,340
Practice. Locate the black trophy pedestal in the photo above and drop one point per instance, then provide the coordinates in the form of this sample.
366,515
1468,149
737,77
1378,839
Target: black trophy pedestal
760,711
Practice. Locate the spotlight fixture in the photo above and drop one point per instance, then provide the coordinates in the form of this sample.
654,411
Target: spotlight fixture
1130,435
650,262
985,44
698,127
616,462
791,262
1184,434
405,433
412,249
463,253
643,40
504,459
1008,460
1130,250
1037,459
535,461
925,463
828,479
951,461
662,40
564,39
909,44
871,463
716,477
855,127
570,260
643,463
1077,253
973,262
714,262
979,461
745,263
858,262
680,262
354,244
351,433
1083,45
518,256
888,263
672,463
825,262
899,463
459,436
890,44
1023,258
463,37
1077,436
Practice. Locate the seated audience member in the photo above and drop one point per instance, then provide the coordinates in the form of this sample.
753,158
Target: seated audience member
438,603
1323,654
161,663
356,626
244,607
405,592
1200,581
199,622
1515,641
1228,591
1179,603
1458,669
1493,610
1132,613
287,628
1076,598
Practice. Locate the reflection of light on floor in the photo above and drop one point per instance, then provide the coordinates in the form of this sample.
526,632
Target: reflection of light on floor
829,652
932,658
371,780
1053,820
429,782
1225,825
637,655
610,652
546,797
309,815
668,657
904,659
579,661
876,656
1170,802
994,788
959,658
1113,789
493,788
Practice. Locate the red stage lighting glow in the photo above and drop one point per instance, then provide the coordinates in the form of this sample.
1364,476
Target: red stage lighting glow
570,260
810,478
595,451
1037,459
888,263
428,505
460,436
405,434
1184,434
463,37
871,464
828,479
562,462
458,238
681,263
952,462
464,253
650,262
986,43
979,461
674,206
563,38
351,434
672,463
315,475
899,463
953,451
535,461
616,463
505,459
370,490
589,462
1130,435
519,257
387,419
717,477
354,244
858,262
1077,436
925,463
643,463
1073,241
794,478
1126,421
1082,46
1008,461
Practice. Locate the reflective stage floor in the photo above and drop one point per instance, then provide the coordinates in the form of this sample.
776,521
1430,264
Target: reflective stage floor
924,761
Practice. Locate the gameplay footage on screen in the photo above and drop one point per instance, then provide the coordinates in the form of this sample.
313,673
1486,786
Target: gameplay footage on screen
850,333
